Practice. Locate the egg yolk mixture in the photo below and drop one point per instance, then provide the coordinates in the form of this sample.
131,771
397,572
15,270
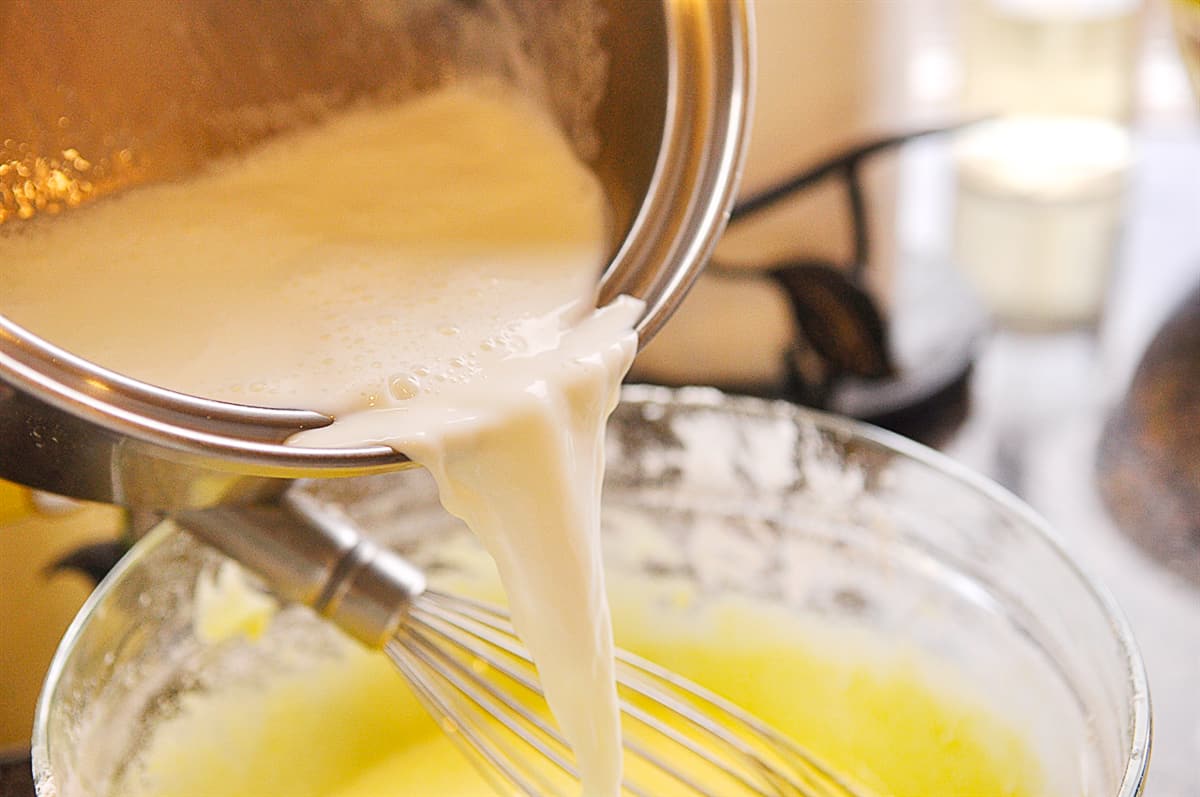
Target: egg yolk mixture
348,726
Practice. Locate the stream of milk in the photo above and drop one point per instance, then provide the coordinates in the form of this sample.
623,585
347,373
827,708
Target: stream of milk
425,273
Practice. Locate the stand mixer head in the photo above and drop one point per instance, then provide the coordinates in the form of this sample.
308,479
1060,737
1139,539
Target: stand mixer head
652,95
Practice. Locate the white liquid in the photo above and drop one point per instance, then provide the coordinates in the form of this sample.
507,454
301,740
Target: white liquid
391,243
424,273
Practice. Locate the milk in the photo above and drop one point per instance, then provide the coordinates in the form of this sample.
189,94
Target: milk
424,273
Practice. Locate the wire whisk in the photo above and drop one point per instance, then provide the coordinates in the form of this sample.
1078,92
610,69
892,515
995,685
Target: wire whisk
468,667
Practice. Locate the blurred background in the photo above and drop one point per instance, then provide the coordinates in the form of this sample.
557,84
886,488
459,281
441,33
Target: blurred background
976,222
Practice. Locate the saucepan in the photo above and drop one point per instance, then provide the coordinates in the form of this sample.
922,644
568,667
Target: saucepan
103,97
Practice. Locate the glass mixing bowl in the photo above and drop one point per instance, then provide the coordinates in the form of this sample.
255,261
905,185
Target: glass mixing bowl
838,524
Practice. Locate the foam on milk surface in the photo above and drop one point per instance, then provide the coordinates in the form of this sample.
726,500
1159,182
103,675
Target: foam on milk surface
425,273
382,253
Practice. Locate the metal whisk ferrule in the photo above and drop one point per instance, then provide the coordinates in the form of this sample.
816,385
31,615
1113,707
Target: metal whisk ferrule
313,554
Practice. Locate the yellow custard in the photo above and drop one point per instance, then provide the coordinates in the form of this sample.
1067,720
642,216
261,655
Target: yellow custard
348,726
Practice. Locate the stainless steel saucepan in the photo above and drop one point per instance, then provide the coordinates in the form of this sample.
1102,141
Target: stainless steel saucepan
102,96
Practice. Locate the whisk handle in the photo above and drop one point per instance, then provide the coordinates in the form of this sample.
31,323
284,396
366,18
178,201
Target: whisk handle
313,554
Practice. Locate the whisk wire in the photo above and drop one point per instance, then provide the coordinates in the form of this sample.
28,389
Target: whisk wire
817,775
485,625
723,744
713,759
463,672
489,698
492,764
505,767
